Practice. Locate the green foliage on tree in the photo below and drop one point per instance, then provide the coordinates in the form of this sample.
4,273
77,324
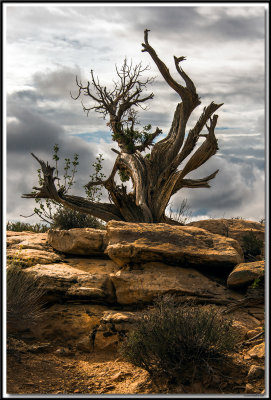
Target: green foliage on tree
54,213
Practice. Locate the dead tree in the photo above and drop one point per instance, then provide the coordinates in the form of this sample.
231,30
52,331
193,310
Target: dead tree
161,173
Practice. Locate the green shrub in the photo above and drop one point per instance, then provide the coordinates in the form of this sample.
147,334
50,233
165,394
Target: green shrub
55,214
24,298
22,226
65,218
170,337
252,246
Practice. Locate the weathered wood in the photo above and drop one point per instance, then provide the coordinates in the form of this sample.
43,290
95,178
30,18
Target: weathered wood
158,176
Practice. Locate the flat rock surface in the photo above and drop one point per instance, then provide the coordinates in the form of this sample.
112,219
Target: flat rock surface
155,278
131,243
233,228
26,257
27,240
64,281
78,241
245,273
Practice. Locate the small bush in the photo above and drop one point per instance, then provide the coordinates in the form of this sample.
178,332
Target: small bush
170,337
24,298
66,218
22,226
252,246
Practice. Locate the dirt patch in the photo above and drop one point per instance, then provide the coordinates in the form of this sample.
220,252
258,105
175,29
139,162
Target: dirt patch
46,369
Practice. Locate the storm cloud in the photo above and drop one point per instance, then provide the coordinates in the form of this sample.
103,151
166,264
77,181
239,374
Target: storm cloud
48,45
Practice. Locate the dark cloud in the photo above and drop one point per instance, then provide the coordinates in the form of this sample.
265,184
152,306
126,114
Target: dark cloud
57,83
42,113
234,190
188,22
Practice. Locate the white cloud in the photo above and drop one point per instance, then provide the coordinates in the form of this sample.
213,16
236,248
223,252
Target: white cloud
47,45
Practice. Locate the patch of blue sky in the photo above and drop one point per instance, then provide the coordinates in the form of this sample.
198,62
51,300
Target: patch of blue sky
95,136
200,211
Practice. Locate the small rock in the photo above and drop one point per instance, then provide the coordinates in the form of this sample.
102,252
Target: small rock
255,371
251,333
64,352
257,351
249,388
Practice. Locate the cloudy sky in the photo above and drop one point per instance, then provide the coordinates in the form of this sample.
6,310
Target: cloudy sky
47,45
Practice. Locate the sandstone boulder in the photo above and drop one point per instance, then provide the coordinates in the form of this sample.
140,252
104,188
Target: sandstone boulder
64,282
234,228
27,257
132,243
27,240
68,323
153,279
245,273
78,241
257,351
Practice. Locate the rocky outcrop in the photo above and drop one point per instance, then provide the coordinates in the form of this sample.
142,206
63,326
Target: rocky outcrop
78,241
27,248
64,282
27,240
245,273
132,243
234,228
152,279
28,257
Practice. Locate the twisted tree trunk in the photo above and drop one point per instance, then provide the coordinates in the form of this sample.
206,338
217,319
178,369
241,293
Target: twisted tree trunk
157,177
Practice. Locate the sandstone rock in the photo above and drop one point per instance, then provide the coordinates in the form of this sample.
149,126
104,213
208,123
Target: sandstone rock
142,286
68,323
80,241
27,240
243,317
253,332
250,389
132,243
258,312
62,281
255,371
257,351
84,344
233,228
105,340
28,256
245,273
118,321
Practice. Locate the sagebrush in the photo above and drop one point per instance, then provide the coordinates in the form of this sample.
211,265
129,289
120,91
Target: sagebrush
171,336
25,305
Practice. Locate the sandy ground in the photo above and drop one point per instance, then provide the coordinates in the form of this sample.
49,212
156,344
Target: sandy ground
37,368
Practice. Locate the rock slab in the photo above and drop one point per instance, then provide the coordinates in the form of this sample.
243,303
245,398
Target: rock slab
78,241
186,246
153,279
234,228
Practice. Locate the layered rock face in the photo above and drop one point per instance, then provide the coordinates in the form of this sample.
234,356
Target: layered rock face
98,281
131,243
